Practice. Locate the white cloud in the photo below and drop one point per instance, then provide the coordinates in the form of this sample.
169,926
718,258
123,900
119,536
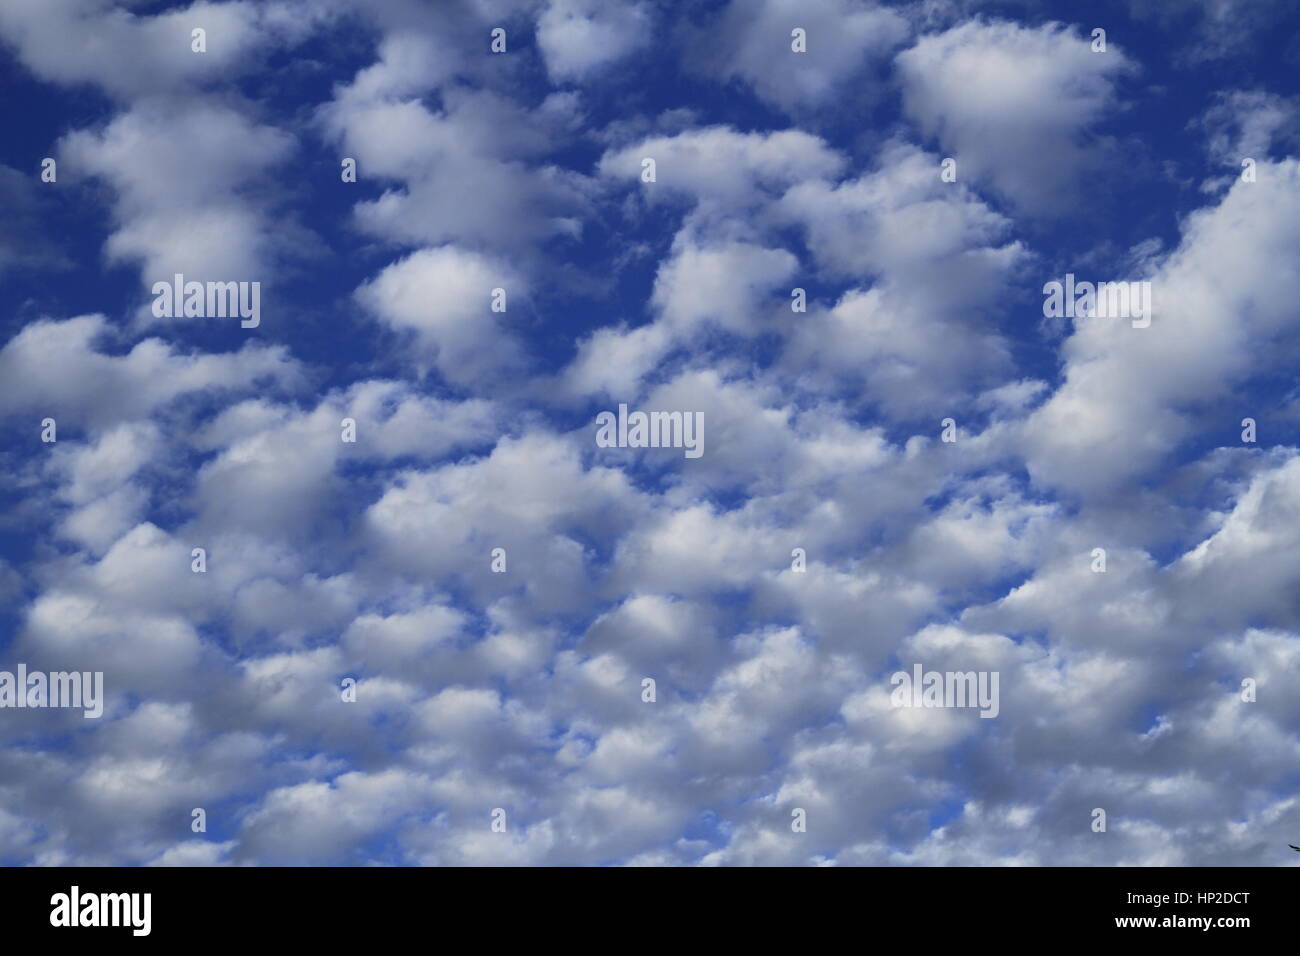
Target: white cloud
131,55
580,37
444,296
720,167
522,689
1014,105
55,368
751,41
1130,395
183,171
1248,124
473,172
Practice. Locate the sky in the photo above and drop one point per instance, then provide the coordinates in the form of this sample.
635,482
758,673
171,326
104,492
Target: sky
437,620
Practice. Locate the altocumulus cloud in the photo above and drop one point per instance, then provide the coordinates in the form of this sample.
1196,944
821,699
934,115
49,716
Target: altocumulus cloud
364,587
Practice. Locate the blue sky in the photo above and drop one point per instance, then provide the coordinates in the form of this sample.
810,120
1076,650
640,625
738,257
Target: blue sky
475,430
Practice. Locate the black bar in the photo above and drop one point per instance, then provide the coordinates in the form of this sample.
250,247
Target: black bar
369,905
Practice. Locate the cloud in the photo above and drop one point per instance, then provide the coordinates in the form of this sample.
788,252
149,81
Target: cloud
473,172
182,173
1216,300
769,589
55,368
752,42
721,167
1248,124
445,296
912,343
1014,105
311,822
579,38
129,55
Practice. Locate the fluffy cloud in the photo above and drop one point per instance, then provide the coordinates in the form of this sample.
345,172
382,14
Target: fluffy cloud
445,297
579,37
769,589
1217,299
1015,106
752,43
182,172
132,55
56,368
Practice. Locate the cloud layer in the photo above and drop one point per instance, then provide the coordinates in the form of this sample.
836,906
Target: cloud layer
393,637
